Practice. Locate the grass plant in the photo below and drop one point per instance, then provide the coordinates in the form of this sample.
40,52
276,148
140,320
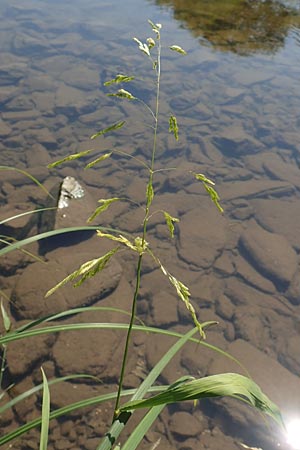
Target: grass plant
187,388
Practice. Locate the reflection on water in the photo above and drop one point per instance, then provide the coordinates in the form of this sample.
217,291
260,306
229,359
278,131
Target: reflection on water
243,27
238,123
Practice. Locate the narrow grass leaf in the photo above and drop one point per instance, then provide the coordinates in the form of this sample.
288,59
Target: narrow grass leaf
29,392
45,414
65,410
70,312
176,48
170,222
28,175
87,270
105,204
142,428
119,424
17,216
40,236
97,160
113,127
24,332
224,384
173,126
7,242
120,78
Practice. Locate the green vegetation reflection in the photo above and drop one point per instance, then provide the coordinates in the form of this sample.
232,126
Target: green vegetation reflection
240,26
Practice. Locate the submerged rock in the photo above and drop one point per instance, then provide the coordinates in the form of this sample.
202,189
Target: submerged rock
270,253
74,205
202,236
29,292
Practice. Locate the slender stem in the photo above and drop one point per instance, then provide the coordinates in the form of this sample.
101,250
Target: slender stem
147,107
120,152
145,221
133,310
3,364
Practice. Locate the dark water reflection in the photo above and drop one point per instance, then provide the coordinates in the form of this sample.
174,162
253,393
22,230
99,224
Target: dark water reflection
239,124
243,27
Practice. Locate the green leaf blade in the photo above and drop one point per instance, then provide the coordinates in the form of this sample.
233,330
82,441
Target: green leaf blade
45,414
225,384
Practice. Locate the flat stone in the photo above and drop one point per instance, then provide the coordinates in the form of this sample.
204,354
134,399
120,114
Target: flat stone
251,324
164,308
281,170
81,77
37,155
7,93
224,307
234,140
65,393
255,188
216,439
293,292
44,101
94,351
202,236
225,264
252,276
42,135
4,128
11,74
184,425
275,216
156,347
36,279
289,353
240,293
250,77
23,355
270,253
29,45
70,100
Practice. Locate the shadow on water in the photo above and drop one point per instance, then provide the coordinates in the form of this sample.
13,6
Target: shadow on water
243,27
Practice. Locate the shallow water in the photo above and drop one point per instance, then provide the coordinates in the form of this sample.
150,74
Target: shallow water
236,98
